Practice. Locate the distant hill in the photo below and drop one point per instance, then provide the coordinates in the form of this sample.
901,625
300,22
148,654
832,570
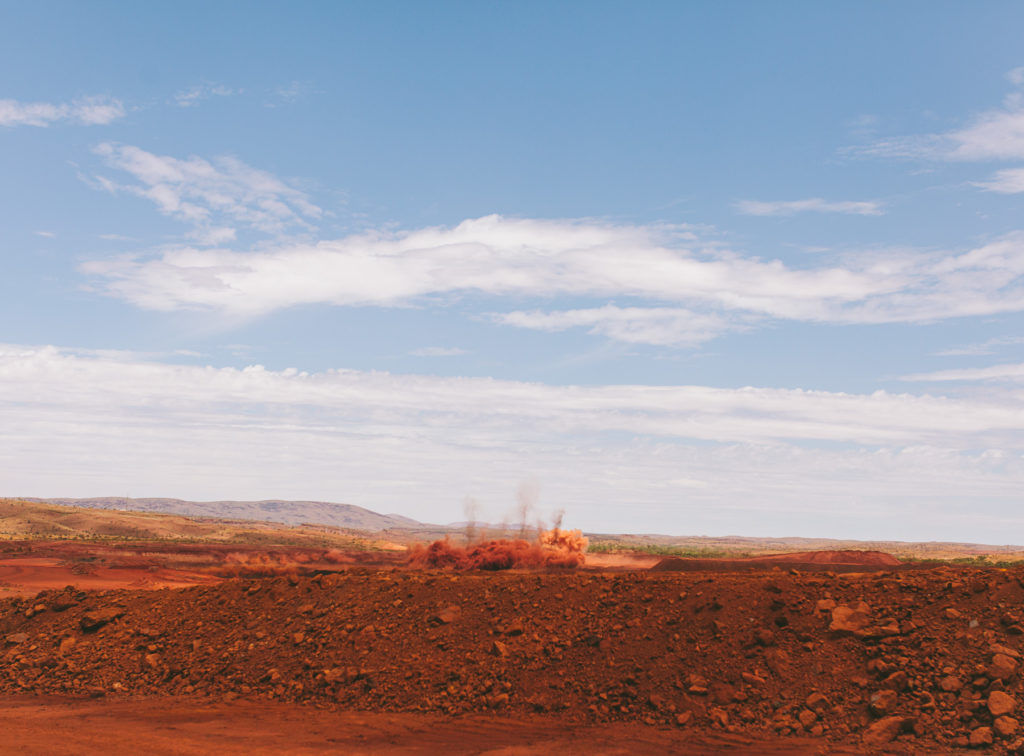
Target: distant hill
271,510
47,521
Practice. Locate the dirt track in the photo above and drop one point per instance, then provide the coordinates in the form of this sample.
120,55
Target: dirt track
26,577
182,727
28,567
919,666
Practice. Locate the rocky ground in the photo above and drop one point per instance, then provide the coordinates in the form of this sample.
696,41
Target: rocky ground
916,661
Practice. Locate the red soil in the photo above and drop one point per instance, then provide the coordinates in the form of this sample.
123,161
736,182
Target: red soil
28,567
42,726
846,556
26,577
771,661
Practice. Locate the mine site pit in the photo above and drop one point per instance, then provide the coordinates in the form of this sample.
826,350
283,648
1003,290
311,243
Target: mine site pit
828,656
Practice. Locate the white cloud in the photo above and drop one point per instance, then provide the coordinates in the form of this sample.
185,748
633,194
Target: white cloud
436,351
1008,181
428,406
96,110
864,126
210,195
662,326
191,97
290,93
812,205
996,134
492,255
986,347
678,458
666,268
1013,373
87,111
46,234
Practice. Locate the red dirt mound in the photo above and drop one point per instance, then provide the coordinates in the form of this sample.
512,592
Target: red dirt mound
809,561
846,556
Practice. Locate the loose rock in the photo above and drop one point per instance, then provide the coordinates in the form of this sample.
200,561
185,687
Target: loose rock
849,619
94,620
1000,703
980,736
883,731
1005,726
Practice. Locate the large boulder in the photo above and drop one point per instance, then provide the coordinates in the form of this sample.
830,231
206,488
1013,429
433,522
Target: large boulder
93,620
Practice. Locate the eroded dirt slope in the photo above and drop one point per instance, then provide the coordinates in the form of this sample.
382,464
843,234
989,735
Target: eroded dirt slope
921,661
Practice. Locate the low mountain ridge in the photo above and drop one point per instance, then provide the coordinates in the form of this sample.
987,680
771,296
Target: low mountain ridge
270,510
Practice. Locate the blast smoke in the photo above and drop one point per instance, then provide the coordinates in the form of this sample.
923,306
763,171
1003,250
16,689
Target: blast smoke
470,508
526,497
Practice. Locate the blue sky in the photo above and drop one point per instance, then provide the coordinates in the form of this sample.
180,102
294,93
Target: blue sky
694,268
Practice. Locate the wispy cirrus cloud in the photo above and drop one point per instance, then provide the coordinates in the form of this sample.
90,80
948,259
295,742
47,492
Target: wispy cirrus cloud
192,96
989,346
85,111
289,93
993,135
659,326
1010,372
215,197
1007,181
811,205
996,134
437,351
